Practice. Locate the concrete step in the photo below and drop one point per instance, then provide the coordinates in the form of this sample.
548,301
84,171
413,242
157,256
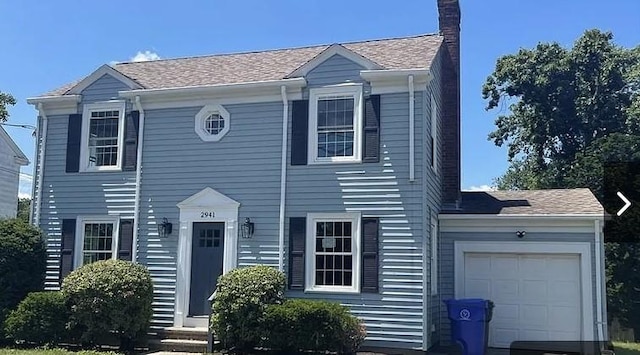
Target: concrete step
185,333
178,345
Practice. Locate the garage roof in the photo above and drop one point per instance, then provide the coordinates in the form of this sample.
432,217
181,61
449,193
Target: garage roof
529,202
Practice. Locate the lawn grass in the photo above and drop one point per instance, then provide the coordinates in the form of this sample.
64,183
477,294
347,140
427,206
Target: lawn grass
623,348
6,351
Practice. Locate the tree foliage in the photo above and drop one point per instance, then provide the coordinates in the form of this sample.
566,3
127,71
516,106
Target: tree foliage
24,209
5,100
568,111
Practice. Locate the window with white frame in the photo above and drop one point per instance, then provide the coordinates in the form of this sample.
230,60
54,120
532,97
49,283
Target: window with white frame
335,124
212,123
333,260
434,255
102,136
434,131
98,239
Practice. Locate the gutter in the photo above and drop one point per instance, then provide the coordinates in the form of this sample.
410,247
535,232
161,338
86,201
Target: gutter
412,138
600,324
283,176
136,209
43,137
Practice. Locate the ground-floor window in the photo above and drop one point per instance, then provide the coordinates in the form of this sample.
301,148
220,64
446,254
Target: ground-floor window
99,239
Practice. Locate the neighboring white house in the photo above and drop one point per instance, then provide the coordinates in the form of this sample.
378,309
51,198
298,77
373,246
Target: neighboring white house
11,159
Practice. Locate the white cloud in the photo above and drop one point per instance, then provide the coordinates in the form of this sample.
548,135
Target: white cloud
145,56
24,187
481,188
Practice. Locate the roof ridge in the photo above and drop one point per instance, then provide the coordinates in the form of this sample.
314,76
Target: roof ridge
278,49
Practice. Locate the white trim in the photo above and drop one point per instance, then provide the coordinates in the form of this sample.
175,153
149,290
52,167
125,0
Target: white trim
412,124
312,218
334,49
201,117
57,105
283,177
434,255
41,139
395,80
354,90
583,249
99,73
79,240
164,102
119,105
434,134
226,210
600,295
136,209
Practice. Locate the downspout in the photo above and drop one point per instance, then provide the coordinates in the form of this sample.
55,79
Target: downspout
136,218
599,280
43,143
412,168
283,176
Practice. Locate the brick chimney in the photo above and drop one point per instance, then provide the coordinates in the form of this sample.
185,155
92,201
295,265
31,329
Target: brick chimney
449,22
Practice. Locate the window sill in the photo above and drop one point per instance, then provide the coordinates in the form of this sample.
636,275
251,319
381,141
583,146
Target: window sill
320,161
341,290
114,169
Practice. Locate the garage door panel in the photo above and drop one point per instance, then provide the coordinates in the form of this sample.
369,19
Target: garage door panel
537,296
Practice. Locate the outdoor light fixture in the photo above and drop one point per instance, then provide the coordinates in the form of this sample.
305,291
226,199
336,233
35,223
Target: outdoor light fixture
246,229
164,228
520,234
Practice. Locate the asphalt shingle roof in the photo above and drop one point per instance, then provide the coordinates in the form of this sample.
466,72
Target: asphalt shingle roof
538,202
394,53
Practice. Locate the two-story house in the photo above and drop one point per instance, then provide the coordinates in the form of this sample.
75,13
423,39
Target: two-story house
337,164
11,159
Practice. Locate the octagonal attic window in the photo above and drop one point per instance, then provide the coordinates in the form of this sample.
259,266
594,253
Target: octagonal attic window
212,123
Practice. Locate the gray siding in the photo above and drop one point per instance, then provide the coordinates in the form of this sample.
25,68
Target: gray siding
244,165
447,262
9,178
69,195
394,316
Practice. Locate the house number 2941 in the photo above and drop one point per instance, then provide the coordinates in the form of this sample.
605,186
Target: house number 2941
207,214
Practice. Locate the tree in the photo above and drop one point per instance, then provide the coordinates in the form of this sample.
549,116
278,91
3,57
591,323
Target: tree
569,112
5,100
24,209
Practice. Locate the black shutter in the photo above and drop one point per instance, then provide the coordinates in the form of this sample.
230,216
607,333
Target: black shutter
125,245
74,132
131,141
371,141
370,255
297,239
299,131
68,243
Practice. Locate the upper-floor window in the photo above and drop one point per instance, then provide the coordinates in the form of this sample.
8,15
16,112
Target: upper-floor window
102,136
212,123
335,124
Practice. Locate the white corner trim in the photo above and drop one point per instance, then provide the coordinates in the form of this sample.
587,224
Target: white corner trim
356,232
99,73
41,139
119,105
283,176
412,124
600,283
201,117
350,89
583,249
136,208
334,49
225,210
79,239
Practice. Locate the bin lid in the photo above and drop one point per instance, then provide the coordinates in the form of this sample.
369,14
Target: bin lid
460,301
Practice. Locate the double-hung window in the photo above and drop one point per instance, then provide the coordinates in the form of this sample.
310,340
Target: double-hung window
98,239
335,125
333,261
102,136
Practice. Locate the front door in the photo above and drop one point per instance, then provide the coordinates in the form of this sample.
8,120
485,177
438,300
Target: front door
206,264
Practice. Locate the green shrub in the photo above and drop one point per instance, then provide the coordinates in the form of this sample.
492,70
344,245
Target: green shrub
40,318
110,296
22,264
309,325
241,298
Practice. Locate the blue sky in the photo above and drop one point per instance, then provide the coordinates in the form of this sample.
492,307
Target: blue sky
46,44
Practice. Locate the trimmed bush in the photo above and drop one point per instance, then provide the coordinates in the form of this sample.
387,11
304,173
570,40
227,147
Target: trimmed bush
22,264
40,318
242,295
309,325
110,296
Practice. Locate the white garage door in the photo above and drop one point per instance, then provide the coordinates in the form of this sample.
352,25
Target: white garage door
536,296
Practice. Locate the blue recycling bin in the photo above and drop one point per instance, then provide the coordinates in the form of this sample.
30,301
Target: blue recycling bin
470,323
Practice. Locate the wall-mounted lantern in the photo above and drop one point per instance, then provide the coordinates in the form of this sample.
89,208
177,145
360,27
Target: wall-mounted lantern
520,234
246,229
164,228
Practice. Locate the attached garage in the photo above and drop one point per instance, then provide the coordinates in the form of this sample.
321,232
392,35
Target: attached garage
541,265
